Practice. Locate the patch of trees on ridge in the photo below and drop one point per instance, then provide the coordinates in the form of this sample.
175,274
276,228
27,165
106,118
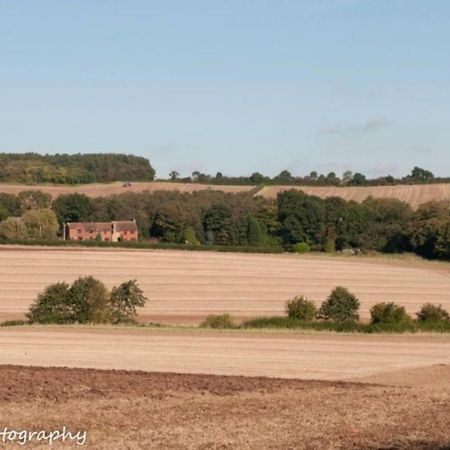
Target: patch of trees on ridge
33,168
294,221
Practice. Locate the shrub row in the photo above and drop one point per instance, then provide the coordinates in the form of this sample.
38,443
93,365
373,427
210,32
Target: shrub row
143,245
339,312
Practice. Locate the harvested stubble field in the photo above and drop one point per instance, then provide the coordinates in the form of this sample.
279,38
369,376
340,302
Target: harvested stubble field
107,189
283,355
400,409
184,287
412,194
415,195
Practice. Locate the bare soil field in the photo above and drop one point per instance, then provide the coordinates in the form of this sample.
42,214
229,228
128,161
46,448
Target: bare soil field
184,287
412,194
137,410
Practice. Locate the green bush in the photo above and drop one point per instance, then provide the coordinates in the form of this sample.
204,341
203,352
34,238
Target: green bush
275,249
433,313
53,305
388,313
347,327
301,247
340,306
124,301
301,308
86,301
218,321
330,246
13,323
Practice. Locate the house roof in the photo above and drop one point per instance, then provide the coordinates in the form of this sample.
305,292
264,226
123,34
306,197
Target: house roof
95,227
125,225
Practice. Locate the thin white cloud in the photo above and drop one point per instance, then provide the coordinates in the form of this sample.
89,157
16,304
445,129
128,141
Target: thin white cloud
421,149
360,129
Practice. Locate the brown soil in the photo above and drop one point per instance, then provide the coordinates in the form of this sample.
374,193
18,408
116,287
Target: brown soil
138,410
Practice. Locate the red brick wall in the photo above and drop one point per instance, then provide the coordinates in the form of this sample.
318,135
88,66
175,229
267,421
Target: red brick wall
81,234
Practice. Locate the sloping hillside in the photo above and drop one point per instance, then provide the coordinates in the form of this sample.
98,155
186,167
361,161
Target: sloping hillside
412,194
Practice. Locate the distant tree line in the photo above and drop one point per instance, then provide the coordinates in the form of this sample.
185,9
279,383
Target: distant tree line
348,178
33,168
294,221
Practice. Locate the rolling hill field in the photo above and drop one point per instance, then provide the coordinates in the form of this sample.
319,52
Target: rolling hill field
412,194
184,287
415,195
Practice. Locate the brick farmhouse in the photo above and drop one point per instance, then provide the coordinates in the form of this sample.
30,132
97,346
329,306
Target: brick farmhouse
106,231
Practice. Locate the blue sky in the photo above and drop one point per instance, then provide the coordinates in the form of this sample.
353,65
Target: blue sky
231,85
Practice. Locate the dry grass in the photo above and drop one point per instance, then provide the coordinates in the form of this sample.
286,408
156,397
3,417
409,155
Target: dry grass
184,287
130,410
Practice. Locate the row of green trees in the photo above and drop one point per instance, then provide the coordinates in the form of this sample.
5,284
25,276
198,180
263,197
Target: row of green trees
294,221
34,168
348,178
343,306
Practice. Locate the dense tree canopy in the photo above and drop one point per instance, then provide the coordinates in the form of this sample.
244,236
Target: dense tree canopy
33,168
293,221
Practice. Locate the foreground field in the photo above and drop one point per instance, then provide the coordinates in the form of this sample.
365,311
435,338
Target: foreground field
326,392
412,194
137,410
184,287
285,355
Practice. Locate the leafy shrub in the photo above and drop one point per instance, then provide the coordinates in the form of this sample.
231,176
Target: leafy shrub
433,313
301,247
124,301
347,327
218,321
340,306
13,323
388,313
87,301
274,249
301,308
53,305
330,246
